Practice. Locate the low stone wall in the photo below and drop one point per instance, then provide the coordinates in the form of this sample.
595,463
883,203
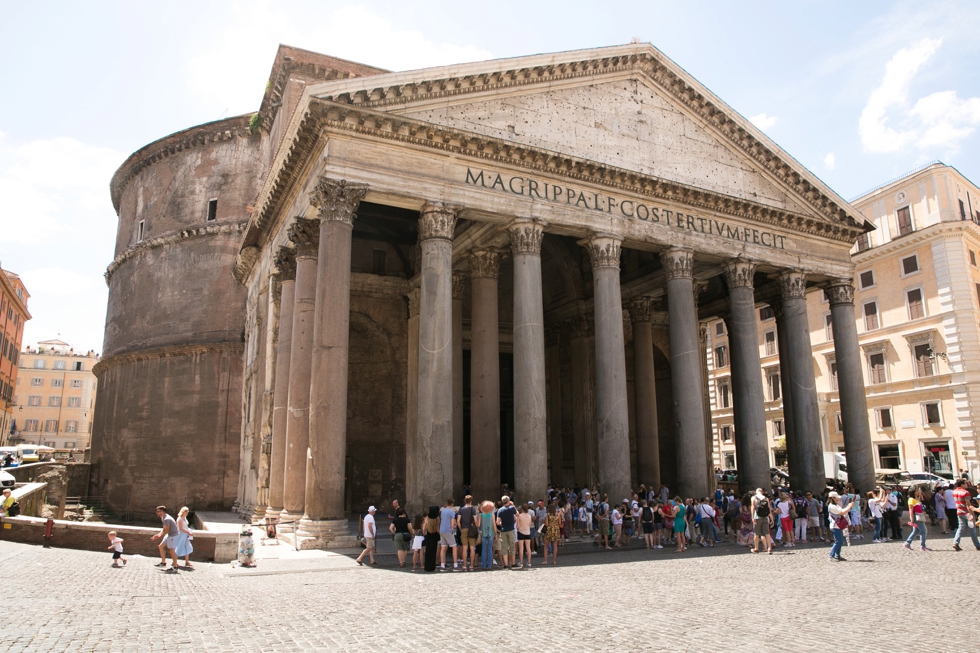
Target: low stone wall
27,473
212,547
30,496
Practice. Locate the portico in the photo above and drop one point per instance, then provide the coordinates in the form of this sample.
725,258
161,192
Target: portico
561,283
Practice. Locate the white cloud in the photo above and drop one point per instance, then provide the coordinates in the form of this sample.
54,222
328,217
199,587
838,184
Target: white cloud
830,161
763,121
3,134
58,229
231,73
876,135
945,119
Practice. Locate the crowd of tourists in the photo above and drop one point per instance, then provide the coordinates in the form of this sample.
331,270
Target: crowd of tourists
506,534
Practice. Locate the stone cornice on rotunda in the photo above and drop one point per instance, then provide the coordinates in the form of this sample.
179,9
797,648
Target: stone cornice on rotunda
369,107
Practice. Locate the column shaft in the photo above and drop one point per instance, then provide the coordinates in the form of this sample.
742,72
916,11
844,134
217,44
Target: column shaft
789,424
304,233
809,472
485,375
530,407
584,423
751,446
610,356
685,371
280,399
459,280
434,444
645,391
850,384
412,501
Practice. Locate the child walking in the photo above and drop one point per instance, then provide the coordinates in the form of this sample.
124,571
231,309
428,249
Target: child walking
116,548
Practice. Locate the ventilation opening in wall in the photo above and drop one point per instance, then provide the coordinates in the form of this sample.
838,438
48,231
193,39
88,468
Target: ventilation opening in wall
212,210
139,233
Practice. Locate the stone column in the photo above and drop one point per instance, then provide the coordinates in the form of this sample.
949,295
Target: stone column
685,372
610,362
305,235
530,399
581,331
485,374
336,202
808,474
413,506
751,447
645,390
434,444
459,283
789,425
552,358
286,280
850,384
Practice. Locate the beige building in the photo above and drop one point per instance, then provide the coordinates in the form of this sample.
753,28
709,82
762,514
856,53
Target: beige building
55,396
917,288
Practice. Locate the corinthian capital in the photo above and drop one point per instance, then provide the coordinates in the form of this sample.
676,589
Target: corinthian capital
335,199
739,273
485,263
459,284
285,264
678,263
525,236
642,309
438,220
841,292
604,250
305,236
792,284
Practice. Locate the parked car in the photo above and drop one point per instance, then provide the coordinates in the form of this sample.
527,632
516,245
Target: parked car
7,480
896,479
780,477
933,480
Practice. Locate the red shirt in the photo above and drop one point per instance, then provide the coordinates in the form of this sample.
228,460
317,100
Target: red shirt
961,496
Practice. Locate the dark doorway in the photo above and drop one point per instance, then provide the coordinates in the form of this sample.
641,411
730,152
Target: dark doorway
506,418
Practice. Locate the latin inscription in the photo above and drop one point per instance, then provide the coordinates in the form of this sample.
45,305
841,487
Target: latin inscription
630,209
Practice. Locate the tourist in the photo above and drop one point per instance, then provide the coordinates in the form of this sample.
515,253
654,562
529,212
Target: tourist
602,511
589,510
184,547
950,501
6,505
664,494
964,515
370,537
680,525
169,534
552,534
401,528
814,509
646,523
469,531
800,519
761,512
707,513
857,527
786,518
116,546
540,517
524,525
246,548
917,520
447,534
583,521
939,498
743,525
418,542
506,524
838,522
430,529
658,522
893,515
874,507
733,517
488,533
617,523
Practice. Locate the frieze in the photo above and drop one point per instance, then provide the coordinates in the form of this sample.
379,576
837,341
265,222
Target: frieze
438,220
841,293
485,262
526,236
677,263
604,251
792,284
305,236
336,199
739,273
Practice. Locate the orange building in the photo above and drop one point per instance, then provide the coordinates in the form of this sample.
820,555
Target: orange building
13,315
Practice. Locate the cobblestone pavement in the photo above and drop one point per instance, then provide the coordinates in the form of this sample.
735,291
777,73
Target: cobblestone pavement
884,598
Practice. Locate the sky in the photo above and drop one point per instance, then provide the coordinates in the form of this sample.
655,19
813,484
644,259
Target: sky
857,92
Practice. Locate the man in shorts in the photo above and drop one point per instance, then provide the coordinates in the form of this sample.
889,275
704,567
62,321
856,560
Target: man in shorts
169,533
370,536
760,523
466,518
602,511
813,510
507,526
447,536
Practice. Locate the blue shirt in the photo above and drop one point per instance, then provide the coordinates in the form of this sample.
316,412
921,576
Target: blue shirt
446,517
508,518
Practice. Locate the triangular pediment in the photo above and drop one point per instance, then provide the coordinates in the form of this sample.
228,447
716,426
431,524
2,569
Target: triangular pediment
629,107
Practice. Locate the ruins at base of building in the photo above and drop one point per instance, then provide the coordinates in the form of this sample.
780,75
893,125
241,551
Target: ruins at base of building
389,285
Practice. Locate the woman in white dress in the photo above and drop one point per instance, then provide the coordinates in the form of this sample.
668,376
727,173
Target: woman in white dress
184,547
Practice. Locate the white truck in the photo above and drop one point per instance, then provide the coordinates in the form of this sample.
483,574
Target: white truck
835,467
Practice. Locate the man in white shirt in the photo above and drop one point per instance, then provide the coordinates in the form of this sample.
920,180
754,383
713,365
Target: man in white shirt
950,506
370,532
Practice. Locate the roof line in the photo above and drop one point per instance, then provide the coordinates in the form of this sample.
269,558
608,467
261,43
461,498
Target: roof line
898,178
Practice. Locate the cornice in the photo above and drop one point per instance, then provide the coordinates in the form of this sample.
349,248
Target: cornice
173,351
924,235
170,239
211,132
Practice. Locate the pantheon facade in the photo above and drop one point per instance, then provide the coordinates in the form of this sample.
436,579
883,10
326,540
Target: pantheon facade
388,285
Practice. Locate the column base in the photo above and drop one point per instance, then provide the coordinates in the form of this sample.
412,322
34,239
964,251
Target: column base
325,534
271,512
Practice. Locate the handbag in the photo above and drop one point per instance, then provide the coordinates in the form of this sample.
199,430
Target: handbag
842,522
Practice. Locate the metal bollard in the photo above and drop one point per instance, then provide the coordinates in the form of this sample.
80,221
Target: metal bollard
48,532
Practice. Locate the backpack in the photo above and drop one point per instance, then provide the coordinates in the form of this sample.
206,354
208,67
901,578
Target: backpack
762,508
697,517
647,514
602,509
